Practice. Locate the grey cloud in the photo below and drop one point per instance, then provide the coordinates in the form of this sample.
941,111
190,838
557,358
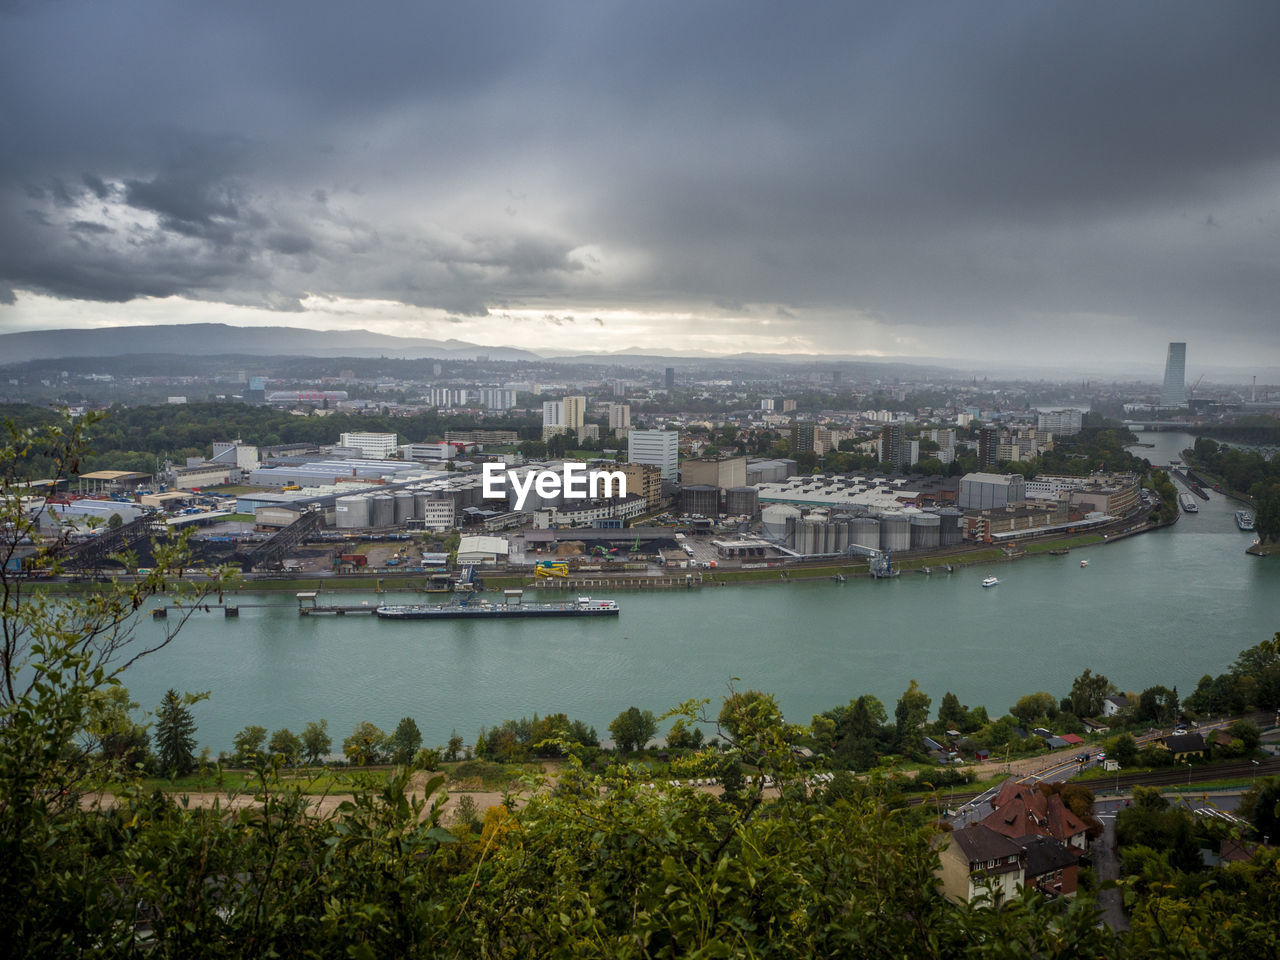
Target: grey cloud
952,168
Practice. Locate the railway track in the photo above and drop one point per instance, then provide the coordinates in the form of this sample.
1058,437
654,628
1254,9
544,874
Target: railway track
1176,776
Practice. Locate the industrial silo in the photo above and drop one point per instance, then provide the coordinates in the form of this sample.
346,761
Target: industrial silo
926,531
350,513
895,532
420,505
865,532
382,510
403,506
774,519
842,536
700,498
950,526
742,502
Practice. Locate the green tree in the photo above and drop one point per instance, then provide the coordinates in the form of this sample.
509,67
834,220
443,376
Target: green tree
114,522
1261,807
1035,706
1087,693
404,741
315,741
951,714
911,713
682,737
175,735
1123,749
1267,516
633,728
365,745
454,748
249,744
286,745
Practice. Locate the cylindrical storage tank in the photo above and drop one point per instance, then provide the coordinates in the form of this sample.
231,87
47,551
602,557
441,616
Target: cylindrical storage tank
420,505
895,531
926,531
774,519
842,536
350,513
742,502
382,510
804,537
700,498
865,532
950,526
404,506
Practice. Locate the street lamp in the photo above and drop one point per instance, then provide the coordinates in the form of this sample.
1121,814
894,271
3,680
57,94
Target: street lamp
1255,770
1188,773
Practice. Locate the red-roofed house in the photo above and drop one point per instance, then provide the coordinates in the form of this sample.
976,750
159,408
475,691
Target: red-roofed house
1020,810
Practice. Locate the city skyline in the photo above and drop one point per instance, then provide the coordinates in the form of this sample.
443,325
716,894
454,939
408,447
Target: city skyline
1001,183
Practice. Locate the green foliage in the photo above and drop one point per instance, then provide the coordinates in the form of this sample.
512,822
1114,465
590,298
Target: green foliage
366,744
1087,693
286,745
427,759
453,750
911,713
315,741
1261,806
249,745
633,728
404,741
175,736
1035,706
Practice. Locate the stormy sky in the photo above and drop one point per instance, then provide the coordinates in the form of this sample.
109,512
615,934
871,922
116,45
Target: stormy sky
1025,182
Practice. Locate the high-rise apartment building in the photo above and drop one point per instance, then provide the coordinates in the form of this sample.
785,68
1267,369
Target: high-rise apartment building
988,444
658,448
802,437
619,416
563,416
1061,423
1175,377
893,446
671,377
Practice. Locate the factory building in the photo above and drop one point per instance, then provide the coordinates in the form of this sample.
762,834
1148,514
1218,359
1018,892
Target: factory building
374,446
985,491
722,473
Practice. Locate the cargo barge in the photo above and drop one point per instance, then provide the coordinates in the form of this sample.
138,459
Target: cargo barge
1244,520
1188,503
581,607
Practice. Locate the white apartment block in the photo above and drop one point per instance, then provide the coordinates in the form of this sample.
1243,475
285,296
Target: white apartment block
658,448
375,446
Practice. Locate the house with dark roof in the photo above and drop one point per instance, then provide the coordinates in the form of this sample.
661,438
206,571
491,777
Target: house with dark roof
1184,745
1049,866
1114,704
979,862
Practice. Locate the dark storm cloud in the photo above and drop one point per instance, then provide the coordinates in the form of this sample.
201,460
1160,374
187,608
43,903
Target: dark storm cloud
942,166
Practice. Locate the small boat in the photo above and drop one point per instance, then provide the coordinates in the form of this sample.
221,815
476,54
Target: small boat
1084,563
1060,552
990,582
839,577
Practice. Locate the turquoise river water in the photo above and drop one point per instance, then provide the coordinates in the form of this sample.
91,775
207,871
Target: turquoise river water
1165,607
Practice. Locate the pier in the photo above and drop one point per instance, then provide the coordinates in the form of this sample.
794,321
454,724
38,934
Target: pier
309,605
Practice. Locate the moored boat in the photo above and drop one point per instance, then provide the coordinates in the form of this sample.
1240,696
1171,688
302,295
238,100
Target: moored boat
990,582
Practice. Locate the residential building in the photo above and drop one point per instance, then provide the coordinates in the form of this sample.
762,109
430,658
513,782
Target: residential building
619,417
1184,746
802,437
497,398
1022,810
979,862
658,448
374,446
893,447
482,436
644,480
788,406
988,438
671,377
1062,423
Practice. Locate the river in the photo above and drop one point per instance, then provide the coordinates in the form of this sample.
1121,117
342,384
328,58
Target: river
1165,607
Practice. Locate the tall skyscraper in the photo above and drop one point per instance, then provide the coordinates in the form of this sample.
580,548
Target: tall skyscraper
1175,377
671,377
893,450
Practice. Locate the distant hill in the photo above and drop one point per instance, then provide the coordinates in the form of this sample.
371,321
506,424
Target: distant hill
220,338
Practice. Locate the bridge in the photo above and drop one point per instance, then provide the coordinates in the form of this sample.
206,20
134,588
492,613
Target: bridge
1158,426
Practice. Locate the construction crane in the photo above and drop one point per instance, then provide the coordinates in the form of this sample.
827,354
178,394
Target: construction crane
1191,394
